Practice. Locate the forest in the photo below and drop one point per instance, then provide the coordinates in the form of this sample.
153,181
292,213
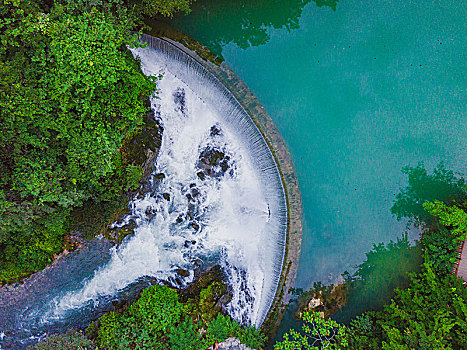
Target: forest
72,97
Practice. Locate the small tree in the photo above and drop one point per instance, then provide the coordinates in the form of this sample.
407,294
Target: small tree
318,333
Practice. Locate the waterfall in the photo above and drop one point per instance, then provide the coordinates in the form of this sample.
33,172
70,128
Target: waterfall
216,196
256,275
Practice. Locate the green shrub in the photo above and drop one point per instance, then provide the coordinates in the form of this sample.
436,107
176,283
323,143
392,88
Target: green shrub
441,248
185,336
144,325
164,7
317,333
223,327
251,337
109,335
156,320
71,340
133,177
157,309
220,329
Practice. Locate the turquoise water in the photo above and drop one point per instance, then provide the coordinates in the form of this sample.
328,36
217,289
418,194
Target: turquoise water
358,90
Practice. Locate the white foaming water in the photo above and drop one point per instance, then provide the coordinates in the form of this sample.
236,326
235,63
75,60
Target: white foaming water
221,198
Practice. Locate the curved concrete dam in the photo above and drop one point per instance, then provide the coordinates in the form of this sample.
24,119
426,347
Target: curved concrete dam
241,213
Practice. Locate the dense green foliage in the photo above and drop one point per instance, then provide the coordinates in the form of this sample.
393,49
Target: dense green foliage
71,340
157,320
318,333
431,311
164,7
442,241
71,96
223,327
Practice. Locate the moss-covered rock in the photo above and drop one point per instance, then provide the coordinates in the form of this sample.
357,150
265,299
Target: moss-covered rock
117,234
137,162
326,300
203,280
142,149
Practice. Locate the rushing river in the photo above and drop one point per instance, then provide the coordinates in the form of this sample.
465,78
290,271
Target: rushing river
216,197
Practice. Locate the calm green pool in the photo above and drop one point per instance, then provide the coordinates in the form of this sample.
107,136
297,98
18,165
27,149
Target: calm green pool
358,89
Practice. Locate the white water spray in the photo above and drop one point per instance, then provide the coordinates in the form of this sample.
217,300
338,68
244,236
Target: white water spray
221,197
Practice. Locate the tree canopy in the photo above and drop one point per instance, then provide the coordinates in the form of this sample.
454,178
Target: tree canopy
71,95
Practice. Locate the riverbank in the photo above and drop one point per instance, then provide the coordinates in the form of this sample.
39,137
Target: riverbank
95,217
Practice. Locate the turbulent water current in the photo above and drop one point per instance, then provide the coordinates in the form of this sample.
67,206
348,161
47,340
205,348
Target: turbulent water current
216,197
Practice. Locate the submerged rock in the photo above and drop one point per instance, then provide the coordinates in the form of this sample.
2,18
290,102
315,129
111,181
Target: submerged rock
117,234
183,273
143,148
215,130
216,293
179,219
213,162
203,279
179,99
211,156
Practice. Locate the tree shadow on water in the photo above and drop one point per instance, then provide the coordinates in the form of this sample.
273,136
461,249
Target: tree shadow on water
329,3
422,187
244,23
387,266
385,269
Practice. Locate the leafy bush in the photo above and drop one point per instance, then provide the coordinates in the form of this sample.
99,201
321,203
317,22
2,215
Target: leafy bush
220,329
164,7
156,319
144,324
71,340
360,333
318,333
185,336
251,337
109,333
157,309
431,313
442,241
223,327
32,246
440,246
